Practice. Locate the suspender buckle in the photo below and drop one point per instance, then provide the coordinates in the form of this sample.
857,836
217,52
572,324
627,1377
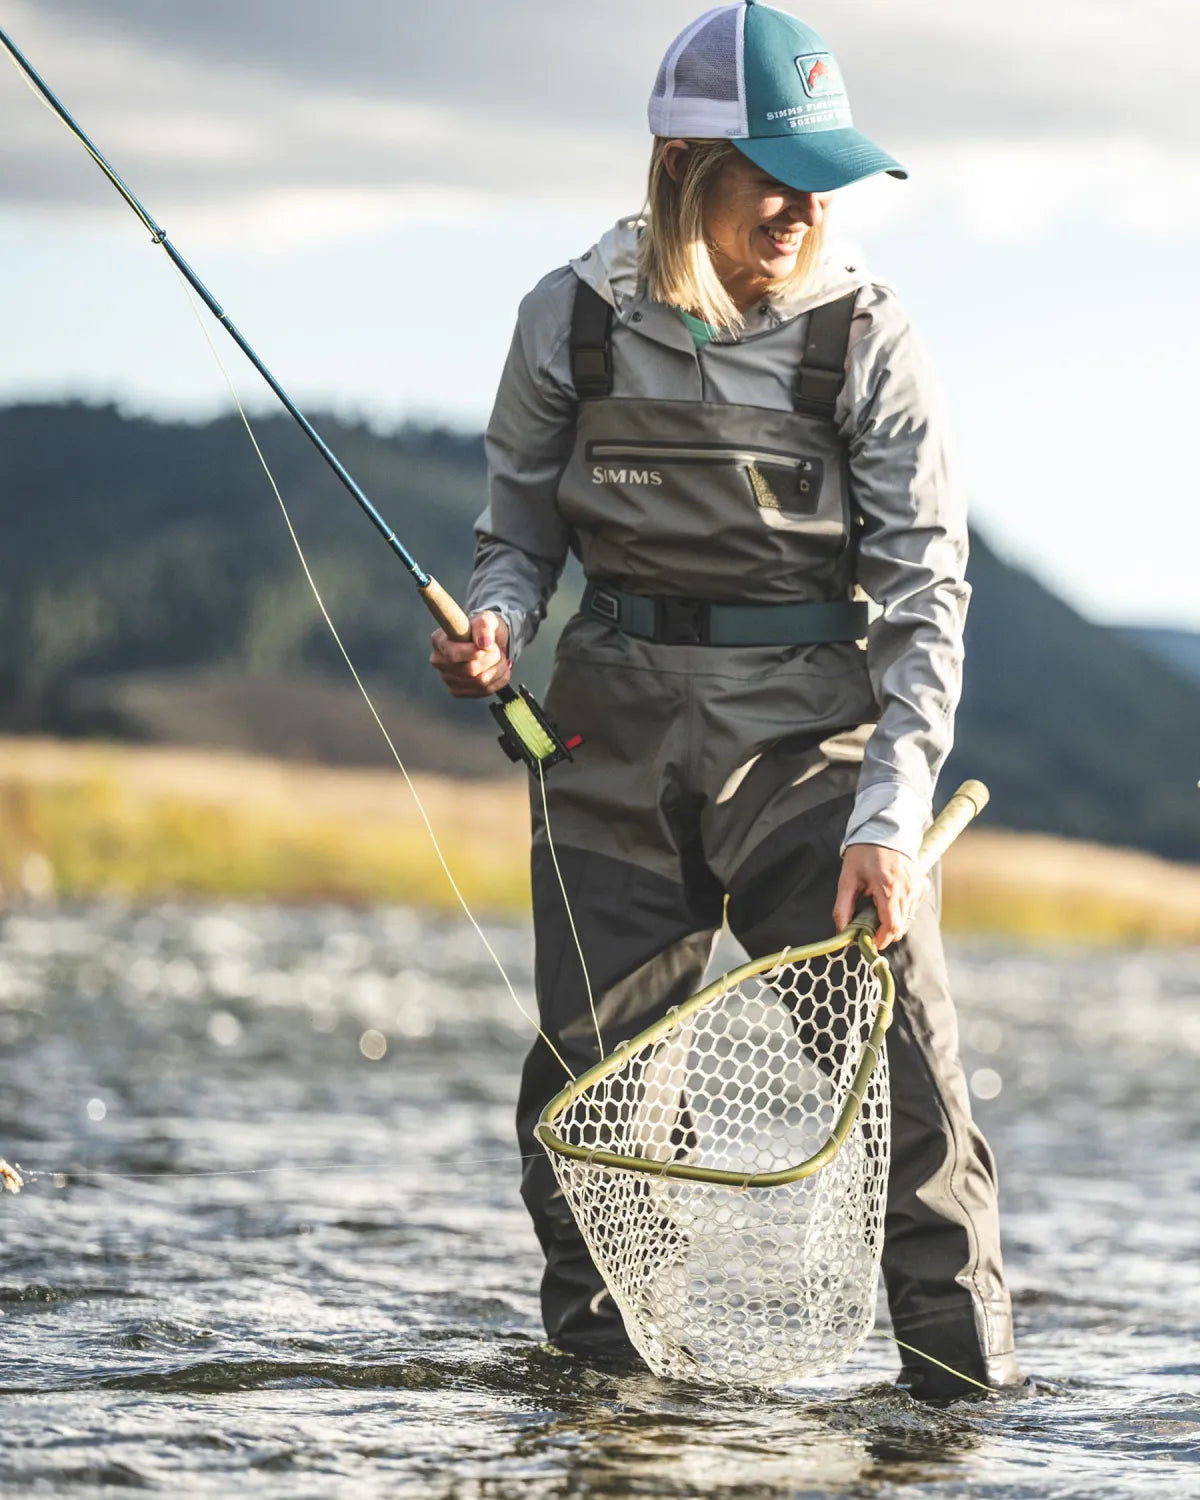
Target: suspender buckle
681,622
592,372
591,344
817,391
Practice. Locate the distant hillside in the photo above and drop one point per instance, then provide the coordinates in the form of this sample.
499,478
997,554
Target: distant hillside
1181,648
148,589
1076,730
137,546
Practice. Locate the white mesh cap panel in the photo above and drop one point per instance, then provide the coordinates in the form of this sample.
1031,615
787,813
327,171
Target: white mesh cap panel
700,90
707,67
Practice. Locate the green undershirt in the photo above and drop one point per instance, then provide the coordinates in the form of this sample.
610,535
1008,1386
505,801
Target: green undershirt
702,333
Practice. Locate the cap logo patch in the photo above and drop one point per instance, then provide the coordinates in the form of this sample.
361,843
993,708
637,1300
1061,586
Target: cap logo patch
820,75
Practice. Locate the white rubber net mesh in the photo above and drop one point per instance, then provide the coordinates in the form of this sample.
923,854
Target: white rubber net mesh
749,1286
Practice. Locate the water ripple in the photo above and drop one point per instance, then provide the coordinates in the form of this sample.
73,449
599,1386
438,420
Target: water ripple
357,1313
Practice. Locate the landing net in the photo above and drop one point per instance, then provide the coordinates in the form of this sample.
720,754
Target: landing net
728,1168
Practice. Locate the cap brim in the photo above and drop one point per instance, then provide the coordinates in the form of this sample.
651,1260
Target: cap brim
819,161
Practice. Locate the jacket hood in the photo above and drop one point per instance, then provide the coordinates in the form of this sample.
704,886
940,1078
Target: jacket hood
610,267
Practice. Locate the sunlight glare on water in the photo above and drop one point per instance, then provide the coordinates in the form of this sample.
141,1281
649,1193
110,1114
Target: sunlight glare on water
356,1313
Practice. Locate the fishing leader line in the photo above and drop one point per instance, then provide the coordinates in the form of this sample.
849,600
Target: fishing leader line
14,1177
325,615
187,284
312,583
587,979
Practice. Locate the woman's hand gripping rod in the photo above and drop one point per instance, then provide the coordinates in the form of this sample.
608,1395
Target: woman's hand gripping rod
527,733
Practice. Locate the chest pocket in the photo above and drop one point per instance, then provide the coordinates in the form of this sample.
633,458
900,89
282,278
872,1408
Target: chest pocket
775,479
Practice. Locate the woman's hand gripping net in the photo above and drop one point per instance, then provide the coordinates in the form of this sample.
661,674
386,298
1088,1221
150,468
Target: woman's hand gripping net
892,880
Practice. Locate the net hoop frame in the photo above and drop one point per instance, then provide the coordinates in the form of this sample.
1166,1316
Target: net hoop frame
857,933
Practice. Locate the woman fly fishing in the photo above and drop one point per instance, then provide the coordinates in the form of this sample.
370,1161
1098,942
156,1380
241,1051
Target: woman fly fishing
737,436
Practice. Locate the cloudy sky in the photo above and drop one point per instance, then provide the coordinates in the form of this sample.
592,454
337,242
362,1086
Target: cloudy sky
370,187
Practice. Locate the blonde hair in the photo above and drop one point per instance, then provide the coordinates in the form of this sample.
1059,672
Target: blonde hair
673,254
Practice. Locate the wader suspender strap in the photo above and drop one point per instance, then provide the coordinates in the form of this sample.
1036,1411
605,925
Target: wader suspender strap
591,344
819,380
823,367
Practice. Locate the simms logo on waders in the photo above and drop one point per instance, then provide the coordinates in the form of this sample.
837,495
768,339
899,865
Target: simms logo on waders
602,475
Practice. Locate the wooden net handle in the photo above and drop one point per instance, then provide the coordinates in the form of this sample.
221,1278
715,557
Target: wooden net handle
968,802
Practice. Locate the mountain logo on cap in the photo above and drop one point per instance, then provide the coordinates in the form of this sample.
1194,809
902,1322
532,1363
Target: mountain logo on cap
819,74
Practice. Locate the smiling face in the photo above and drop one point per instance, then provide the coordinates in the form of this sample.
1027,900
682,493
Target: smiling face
755,226
720,233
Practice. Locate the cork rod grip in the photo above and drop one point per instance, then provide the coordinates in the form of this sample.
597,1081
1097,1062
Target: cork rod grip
446,611
970,800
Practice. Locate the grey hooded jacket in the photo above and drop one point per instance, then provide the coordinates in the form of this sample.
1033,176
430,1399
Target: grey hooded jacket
912,545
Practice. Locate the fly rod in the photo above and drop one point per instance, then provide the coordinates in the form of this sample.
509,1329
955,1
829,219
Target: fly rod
527,732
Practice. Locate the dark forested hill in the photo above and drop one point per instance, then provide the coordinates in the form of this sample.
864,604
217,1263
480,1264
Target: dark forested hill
129,545
1076,729
1181,648
148,588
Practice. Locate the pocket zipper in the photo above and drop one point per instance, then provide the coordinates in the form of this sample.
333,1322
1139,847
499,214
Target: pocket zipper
698,453
753,461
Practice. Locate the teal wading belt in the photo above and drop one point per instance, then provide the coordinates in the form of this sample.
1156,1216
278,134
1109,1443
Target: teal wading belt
674,621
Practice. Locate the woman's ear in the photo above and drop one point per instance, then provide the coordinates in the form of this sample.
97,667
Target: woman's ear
673,154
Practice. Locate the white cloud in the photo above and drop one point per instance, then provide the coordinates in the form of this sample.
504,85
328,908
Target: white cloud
283,119
231,151
1013,189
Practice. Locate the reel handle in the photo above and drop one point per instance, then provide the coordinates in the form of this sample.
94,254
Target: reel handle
967,803
446,610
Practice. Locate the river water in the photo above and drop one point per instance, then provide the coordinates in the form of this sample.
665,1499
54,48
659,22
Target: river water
272,1245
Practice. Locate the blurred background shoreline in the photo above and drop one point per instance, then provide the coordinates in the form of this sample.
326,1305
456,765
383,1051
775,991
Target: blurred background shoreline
179,723
146,824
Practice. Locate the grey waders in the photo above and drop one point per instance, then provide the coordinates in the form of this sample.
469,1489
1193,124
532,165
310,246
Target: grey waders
715,675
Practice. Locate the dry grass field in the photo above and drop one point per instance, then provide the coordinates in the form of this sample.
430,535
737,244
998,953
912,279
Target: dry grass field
95,819
1032,886
85,819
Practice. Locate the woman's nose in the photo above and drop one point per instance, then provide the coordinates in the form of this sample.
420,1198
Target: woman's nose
808,208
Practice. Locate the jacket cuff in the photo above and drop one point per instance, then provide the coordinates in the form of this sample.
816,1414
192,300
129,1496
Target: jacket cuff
889,813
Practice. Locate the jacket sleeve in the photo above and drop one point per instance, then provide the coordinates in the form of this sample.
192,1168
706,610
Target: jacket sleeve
521,540
912,559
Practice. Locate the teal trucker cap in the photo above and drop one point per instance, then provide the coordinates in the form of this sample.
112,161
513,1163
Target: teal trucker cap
770,85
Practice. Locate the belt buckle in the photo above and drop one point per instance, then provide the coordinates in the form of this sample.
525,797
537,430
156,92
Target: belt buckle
606,606
681,622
